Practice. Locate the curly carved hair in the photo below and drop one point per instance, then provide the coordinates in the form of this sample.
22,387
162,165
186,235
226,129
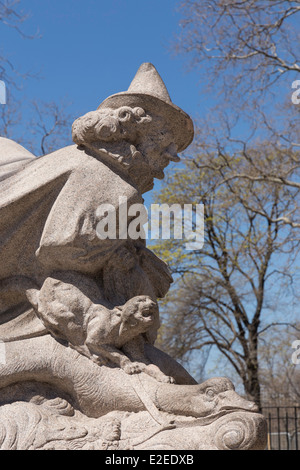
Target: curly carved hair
109,125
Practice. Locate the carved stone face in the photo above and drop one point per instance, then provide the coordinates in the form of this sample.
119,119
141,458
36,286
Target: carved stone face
141,143
146,310
138,315
216,396
158,150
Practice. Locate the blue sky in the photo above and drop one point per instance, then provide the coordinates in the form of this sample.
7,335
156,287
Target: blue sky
87,50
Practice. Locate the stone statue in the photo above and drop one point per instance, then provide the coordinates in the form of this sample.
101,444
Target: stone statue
79,313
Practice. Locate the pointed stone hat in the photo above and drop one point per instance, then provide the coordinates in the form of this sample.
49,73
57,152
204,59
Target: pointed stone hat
148,91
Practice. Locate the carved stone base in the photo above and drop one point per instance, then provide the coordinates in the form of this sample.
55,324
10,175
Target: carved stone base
53,424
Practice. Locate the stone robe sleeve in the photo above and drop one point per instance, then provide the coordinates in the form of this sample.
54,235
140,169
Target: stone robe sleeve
69,240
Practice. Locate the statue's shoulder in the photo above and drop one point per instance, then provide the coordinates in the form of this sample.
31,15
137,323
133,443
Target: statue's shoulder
11,151
13,157
90,170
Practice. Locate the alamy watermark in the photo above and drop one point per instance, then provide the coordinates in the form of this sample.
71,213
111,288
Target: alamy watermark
296,354
163,221
296,94
2,92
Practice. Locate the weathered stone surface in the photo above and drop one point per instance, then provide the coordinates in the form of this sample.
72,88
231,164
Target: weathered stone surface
79,313
13,157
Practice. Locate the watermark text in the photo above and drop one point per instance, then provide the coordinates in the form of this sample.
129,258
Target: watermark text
296,354
162,222
296,94
2,92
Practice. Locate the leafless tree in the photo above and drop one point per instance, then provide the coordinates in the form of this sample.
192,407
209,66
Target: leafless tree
227,294
280,372
264,160
247,53
11,16
245,168
10,117
247,45
49,126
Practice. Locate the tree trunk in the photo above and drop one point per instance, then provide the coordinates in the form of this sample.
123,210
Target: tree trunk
251,380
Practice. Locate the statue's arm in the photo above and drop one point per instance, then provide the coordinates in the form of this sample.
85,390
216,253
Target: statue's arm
71,239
